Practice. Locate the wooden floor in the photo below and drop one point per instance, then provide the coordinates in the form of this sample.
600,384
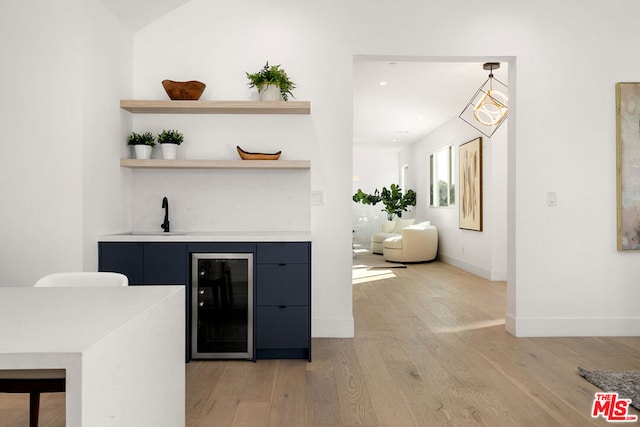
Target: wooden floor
430,349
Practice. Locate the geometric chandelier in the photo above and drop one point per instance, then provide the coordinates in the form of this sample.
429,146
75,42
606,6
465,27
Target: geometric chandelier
488,108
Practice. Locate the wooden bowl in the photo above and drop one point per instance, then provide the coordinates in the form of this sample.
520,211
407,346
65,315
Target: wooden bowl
245,155
189,91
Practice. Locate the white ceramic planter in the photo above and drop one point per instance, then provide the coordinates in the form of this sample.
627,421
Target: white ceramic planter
270,93
169,151
143,151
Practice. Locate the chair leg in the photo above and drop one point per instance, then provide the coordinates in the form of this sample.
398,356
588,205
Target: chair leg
34,408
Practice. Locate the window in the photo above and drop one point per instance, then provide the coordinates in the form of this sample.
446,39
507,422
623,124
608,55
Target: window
442,191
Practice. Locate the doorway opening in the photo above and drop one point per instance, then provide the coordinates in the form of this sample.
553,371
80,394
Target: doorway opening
406,108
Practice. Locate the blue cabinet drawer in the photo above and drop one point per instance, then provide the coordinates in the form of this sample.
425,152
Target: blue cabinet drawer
282,284
283,327
283,252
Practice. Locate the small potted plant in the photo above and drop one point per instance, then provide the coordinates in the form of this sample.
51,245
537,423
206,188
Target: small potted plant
272,83
169,141
142,144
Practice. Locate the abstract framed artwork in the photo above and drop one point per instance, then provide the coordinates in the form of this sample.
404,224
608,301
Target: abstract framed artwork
470,162
628,165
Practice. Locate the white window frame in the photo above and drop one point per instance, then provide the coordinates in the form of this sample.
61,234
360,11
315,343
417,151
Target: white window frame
447,157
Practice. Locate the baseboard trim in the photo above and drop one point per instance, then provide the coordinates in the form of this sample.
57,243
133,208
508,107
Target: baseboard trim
463,265
573,327
332,327
493,275
498,275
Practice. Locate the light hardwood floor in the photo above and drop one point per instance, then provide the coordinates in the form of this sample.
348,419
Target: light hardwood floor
430,349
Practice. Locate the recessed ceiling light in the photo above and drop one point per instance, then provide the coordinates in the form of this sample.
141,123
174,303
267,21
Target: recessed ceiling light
382,83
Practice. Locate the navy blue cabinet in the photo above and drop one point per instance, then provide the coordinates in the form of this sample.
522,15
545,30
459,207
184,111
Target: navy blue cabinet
283,300
164,264
145,263
126,258
282,285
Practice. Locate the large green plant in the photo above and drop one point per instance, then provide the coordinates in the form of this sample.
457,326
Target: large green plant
272,75
394,201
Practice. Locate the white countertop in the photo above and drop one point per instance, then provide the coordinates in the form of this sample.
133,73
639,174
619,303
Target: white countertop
112,342
209,236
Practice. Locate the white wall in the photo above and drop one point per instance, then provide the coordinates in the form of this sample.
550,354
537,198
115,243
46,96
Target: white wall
565,275
107,58
41,148
59,183
222,200
481,253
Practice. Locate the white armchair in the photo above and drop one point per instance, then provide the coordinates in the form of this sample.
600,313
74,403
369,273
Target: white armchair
417,243
389,229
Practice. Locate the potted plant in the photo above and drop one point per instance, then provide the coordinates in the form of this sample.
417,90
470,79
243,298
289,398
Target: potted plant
394,201
142,144
169,141
272,83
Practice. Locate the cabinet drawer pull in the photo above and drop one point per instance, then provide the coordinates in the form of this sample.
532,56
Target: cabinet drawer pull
282,264
282,306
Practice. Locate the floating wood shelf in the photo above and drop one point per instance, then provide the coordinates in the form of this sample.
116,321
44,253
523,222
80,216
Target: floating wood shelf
216,107
214,164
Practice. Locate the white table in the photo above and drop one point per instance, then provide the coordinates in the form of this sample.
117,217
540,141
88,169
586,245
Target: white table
122,348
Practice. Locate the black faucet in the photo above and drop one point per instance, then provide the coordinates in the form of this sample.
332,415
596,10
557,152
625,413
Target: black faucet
165,206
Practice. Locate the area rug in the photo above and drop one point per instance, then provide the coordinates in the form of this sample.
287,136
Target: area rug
625,383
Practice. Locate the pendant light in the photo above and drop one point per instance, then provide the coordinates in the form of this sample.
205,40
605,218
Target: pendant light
488,108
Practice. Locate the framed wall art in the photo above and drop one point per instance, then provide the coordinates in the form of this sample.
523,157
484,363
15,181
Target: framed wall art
628,165
470,205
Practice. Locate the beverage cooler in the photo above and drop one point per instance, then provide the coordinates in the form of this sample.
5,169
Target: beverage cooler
222,306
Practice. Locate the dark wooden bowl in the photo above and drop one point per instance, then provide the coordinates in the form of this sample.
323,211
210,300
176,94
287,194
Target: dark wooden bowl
245,155
189,91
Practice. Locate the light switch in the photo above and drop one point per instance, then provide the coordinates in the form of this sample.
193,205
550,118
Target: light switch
317,198
552,198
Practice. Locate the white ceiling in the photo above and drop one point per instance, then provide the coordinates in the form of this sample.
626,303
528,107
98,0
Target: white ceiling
418,97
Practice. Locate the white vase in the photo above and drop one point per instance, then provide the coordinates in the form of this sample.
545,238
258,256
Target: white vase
270,93
169,151
143,151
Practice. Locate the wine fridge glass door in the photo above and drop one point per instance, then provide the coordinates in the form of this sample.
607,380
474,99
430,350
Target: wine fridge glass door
222,306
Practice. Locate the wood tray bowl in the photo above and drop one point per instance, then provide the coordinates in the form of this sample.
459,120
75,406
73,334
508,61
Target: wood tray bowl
245,155
188,91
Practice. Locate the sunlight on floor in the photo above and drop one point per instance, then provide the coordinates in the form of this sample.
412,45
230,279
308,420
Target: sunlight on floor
363,275
469,327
